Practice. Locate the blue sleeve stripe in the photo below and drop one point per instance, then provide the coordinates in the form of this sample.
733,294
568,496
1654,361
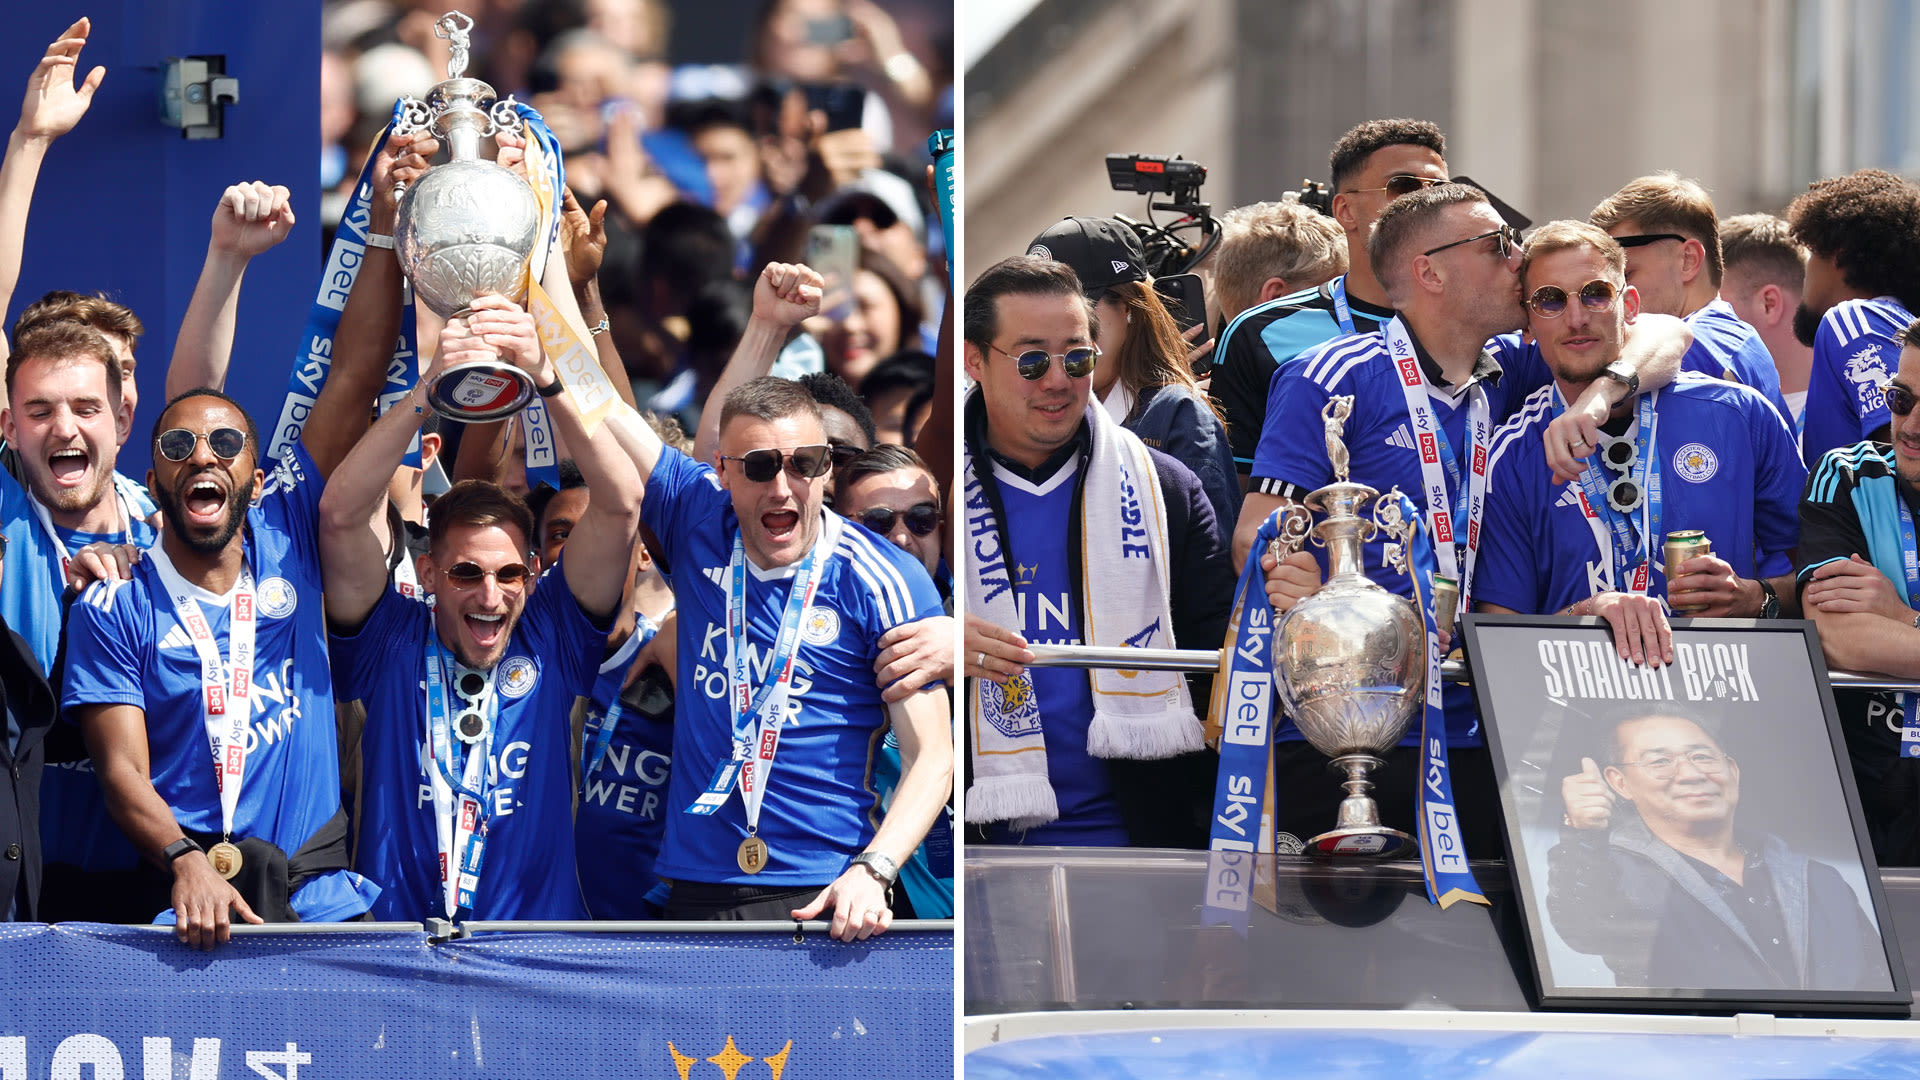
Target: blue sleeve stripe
1538,405
1331,365
1806,572
1834,466
882,578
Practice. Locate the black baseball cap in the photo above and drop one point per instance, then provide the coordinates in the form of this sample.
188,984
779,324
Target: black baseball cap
1102,252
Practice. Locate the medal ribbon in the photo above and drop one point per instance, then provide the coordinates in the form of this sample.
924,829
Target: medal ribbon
1342,313
1443,855
597,735
547,173
125,524
1242,706
1909,702
461,802
752,762
226,687
1438,463
1632,548
314,363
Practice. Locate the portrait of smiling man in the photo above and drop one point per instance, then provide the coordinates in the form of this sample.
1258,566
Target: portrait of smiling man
1653,874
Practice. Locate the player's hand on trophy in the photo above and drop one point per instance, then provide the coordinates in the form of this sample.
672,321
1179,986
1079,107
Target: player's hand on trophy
786,294
1854,584
204,904
1641,633
583,236
913,655
251,218
1706,587
53,104
1290,580
402,161
506,328
101,561
1588,799
1574,434
859,904
993,651
513,151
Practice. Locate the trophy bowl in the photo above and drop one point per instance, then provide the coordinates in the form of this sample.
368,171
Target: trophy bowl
1350,666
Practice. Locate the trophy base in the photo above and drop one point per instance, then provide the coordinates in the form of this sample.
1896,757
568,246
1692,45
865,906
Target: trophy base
1369,841
479,390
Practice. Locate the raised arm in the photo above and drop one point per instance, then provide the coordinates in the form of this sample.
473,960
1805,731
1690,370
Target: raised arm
52,107
784,296
1653,349
251,218
924,725
583,236
116,738
600,546
370,322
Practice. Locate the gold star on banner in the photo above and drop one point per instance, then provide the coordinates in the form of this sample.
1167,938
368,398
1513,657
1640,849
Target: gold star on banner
730,1060
681,1062
778,1062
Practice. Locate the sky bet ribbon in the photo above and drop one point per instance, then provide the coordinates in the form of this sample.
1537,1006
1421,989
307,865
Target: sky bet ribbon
310,369
547,172
1443,856
1243,698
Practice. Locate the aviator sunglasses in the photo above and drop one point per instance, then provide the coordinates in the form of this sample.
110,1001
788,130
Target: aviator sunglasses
1401,184
1508,236
465,575
1550,301
1900,400
921,518
802,462
176,444
1033,364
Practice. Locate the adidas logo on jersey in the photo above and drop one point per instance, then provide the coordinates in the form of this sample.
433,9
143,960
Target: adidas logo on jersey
177,638
717,575
1402,437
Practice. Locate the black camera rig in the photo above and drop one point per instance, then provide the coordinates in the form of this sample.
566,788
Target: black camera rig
1168,252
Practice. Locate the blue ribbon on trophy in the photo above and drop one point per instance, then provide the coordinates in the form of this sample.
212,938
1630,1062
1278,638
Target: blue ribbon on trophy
543,460
314,361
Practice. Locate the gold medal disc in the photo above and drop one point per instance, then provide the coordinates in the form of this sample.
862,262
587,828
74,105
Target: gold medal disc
226,860
752,855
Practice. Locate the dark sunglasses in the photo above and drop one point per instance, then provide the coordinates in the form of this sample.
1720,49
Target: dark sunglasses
844,453
873,210
1550,301
1900,400
1033,364
465,575
921,518
1509,238
1403,184
802,462
1649,238
176,444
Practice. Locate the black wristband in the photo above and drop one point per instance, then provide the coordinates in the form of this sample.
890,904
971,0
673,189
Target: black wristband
178,848
552,389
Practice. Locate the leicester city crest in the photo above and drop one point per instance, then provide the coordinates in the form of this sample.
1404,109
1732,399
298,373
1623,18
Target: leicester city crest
1011,707
516,676
820,625
277,598
1695,463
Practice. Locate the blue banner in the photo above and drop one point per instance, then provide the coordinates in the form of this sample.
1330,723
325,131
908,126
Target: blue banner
133,1002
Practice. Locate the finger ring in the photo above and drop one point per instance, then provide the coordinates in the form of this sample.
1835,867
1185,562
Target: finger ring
1577,442
981,661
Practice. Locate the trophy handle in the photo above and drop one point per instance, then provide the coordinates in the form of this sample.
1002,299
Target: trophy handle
1295,522
415,116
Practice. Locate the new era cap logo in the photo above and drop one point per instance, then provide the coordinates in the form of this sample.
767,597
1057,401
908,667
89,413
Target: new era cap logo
1119,267
1039,251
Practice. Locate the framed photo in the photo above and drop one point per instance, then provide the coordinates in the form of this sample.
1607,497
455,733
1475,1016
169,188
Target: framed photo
1688,836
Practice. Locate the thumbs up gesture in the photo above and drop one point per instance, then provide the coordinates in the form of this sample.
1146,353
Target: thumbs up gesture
1588,798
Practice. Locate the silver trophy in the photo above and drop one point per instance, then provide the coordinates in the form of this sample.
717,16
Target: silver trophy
467,228
1350,661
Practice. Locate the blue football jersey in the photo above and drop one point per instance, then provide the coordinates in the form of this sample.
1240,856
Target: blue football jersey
1854,354
820,807
126,646
1724,347
1038,529
1727,466
623,797
1382,450
551,659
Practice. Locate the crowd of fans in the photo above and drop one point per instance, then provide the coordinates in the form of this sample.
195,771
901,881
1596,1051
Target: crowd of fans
1556,403
545,687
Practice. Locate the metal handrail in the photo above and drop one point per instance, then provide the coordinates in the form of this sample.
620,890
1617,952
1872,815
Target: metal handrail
1455,671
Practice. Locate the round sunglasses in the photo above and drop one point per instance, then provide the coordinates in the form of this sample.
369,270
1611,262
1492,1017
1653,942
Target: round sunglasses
921,518
1032,364
802,462
465,575
1550,301
176,444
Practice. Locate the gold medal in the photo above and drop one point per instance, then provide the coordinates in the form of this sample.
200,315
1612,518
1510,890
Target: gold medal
226,860
752,855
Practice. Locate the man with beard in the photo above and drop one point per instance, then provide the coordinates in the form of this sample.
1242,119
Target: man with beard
1449,264
1670,893
468,791
218,641
1703,453
1862,235
782,605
